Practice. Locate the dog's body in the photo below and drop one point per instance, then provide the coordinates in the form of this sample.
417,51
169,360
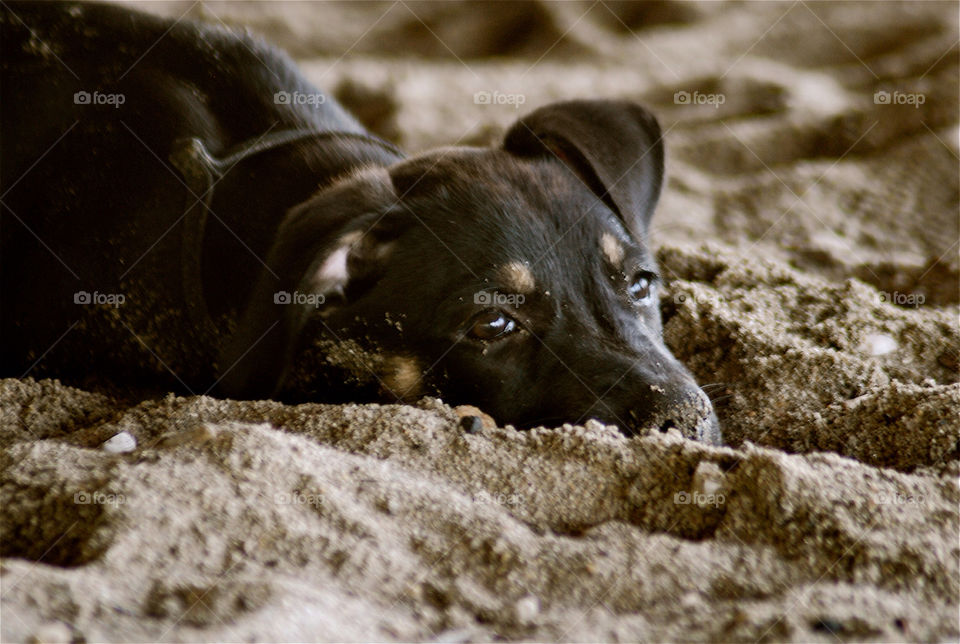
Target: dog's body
102,212
181,221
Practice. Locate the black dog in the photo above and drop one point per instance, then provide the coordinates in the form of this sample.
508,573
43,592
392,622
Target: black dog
180,206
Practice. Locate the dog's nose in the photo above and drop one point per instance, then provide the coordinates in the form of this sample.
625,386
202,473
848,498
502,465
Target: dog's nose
686,409
675,403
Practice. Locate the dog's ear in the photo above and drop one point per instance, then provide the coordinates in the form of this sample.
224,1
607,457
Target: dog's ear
615,147
327,249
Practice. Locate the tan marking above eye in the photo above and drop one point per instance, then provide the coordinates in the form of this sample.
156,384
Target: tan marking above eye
516,277
612,249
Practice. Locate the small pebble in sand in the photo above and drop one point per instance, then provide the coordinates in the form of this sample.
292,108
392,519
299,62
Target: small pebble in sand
878,344
527,608
471,424
467,411
120,443
691,599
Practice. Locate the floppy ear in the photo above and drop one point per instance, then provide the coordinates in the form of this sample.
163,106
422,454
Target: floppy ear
325,245
615,147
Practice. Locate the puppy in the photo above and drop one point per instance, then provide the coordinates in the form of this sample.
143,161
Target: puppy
183,208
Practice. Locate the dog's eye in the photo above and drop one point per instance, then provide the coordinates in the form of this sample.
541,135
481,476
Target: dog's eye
491,325
640,287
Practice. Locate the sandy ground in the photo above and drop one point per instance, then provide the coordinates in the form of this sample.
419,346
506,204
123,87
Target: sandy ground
809,229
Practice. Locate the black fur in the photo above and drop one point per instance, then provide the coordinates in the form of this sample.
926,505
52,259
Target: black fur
201,199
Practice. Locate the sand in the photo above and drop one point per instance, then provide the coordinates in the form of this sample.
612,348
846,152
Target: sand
809,235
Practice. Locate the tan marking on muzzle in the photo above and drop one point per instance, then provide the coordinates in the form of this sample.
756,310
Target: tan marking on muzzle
516,277
612,249
402,376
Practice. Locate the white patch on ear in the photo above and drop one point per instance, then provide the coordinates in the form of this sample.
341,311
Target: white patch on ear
612,249
332,274
516,277
334,270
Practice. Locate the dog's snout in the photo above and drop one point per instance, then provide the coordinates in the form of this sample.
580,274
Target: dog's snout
664,402
688,410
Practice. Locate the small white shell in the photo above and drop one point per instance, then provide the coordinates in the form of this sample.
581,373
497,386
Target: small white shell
120,444
878,344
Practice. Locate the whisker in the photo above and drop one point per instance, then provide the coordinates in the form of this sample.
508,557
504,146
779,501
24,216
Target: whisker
713,385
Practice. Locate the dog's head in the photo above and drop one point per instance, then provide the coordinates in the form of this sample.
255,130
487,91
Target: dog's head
517,279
